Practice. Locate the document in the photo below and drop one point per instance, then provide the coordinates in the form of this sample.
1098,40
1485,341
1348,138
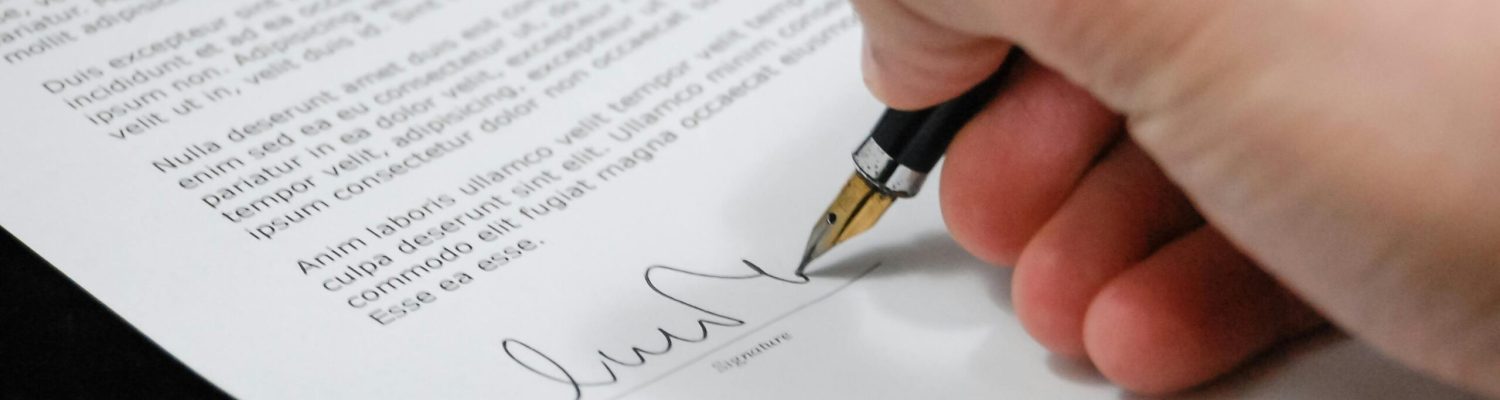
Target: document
527,199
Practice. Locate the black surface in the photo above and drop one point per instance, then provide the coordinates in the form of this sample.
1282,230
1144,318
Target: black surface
58,342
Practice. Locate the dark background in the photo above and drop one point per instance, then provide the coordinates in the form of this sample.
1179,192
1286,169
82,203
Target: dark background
57,341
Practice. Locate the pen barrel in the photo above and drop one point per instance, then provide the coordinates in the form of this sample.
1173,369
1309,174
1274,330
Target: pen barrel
918,139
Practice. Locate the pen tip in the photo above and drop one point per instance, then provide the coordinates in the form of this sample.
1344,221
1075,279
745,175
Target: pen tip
807,258
855,210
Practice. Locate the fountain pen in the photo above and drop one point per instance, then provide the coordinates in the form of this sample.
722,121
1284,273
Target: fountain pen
894,161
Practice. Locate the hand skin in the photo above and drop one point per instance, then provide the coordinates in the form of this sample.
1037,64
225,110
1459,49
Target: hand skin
1183,184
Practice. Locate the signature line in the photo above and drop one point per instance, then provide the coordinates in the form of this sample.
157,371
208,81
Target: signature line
742,336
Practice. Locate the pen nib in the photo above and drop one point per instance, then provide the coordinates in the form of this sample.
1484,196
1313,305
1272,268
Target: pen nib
856,209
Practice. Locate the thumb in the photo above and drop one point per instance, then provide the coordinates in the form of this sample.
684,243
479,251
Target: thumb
910,62
920,53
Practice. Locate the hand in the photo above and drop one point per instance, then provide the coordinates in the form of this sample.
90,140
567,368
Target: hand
1180,184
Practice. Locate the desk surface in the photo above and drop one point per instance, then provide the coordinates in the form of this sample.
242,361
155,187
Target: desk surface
59,342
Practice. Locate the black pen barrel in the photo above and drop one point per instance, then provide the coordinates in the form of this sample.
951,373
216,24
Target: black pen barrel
918,139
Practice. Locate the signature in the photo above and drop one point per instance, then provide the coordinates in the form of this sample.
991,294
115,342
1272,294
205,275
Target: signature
539,363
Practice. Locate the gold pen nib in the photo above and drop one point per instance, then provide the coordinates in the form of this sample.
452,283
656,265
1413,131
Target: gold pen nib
853,212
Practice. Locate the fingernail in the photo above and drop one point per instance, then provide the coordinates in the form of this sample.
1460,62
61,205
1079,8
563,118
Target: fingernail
870,66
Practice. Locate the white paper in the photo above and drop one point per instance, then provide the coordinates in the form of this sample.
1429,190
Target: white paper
706,134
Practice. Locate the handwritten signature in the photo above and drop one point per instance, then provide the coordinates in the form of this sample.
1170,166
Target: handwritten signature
542,365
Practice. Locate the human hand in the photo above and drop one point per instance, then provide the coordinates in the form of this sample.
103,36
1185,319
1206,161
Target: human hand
1344,154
